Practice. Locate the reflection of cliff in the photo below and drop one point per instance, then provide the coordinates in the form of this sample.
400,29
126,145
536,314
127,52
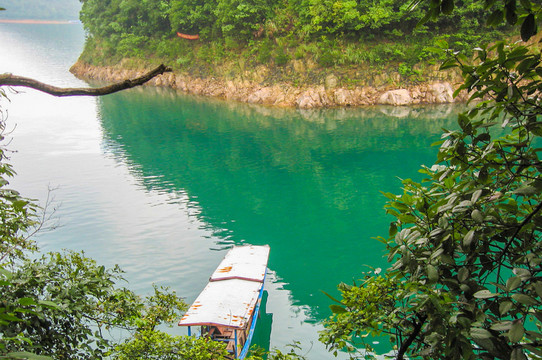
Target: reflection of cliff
308,188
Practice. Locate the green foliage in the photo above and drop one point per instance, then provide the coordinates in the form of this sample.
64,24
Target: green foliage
72,293
131,45
327,52
527,15
193,16
147,18
276,354
156,345
465,280
261,30
264,50
69,300
330,16
282,57
240,18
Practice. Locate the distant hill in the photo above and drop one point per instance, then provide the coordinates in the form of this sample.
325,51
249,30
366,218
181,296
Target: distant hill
40,9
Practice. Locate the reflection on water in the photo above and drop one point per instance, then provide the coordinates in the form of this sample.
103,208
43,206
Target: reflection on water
305,182
162,183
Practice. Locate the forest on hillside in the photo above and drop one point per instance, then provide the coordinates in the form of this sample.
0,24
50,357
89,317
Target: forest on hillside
276,33
40,9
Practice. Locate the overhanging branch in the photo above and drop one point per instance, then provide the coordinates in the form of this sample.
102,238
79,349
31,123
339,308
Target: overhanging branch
415,332
14,80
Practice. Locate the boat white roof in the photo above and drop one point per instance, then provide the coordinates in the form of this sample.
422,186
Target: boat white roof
228,303
231,295
243,262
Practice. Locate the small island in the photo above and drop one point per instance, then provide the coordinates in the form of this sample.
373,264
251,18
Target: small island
283,53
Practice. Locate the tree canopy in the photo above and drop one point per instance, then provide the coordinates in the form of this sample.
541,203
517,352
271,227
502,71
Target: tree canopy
245,19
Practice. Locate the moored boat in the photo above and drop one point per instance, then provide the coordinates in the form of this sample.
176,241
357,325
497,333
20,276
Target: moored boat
227,309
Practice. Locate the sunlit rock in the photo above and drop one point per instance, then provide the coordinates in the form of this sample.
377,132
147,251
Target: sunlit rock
439,93
396,97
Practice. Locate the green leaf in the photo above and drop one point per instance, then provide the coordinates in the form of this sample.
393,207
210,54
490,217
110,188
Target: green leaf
469,237
495,18
528,27
526,190
504,307
463,274
331,297
511,15
476,195
524,299
479,333
432,273
517,354
5,273
393,229
49,304
512,283
450,63
484,294
501,326
336,309
10,317
516,332
477,216
26,301
443,44
526,65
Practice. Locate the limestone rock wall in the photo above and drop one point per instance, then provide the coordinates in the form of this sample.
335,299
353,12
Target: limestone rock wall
283,94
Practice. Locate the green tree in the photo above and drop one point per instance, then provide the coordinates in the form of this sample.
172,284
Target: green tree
465,280
192,16
238,19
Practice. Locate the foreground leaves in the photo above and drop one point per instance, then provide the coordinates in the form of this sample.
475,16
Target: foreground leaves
465,280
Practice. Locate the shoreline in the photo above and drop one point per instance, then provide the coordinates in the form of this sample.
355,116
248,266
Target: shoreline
328,94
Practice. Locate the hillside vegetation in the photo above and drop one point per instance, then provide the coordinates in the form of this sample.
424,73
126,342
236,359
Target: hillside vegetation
298,41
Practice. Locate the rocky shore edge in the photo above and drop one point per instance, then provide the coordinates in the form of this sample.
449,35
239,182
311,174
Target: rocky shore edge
328,94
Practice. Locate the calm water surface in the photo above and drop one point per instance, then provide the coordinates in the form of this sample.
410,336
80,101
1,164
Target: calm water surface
163,183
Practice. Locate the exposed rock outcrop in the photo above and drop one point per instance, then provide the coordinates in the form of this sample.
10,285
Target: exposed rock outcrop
396,97
330,94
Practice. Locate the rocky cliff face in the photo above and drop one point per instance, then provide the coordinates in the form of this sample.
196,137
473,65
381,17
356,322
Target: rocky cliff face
283,94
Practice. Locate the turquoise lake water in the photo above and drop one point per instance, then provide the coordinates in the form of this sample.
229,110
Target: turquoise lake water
163,183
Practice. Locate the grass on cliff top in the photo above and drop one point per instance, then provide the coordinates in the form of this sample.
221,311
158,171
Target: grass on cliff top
367,62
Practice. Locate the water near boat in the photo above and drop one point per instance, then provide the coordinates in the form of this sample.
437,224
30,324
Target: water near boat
163,184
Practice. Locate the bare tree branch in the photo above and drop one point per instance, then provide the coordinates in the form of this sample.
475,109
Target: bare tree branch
14,80
415,332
